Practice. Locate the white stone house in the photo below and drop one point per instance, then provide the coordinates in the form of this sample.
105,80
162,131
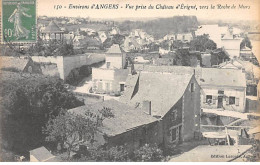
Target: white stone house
109,81
184,37
231,44
115,58
111,77
223,89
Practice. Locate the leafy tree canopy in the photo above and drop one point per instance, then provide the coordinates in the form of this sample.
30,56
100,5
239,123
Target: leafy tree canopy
70,129
51,48
246,42
29,101
182,57
202,43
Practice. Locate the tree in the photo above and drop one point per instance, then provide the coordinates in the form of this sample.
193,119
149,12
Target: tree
68,129
29,101
253,154
202,43
177,44
118,39
218,56
182,57
51,48
246,42
165,44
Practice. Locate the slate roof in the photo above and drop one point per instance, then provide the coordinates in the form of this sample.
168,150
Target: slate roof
163,90
248,66
133,43
204,76
163,68
125,117
43,155
114,49
52,28
223,77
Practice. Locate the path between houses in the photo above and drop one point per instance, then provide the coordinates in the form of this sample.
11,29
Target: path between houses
86,84
189,145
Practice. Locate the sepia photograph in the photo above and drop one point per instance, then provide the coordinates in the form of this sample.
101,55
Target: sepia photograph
130,81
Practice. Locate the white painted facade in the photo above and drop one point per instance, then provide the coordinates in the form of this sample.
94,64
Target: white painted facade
232,46
238,93
115,61
184,37
110,81
214,32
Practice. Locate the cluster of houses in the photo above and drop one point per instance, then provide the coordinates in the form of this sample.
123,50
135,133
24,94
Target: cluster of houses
227,39
137,41
80,38
162,104
166,105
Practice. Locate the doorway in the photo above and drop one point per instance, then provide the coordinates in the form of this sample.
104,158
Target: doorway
220,102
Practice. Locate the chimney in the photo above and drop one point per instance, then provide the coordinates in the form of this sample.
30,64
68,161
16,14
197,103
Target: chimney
147,107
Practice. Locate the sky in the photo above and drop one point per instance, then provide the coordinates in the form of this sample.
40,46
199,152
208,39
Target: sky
46,7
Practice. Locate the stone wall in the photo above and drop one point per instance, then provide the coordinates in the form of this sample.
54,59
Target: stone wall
67,63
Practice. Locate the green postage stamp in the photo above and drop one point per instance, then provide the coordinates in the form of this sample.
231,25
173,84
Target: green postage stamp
19,21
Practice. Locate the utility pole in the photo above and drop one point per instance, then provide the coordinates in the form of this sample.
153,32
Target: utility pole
227,135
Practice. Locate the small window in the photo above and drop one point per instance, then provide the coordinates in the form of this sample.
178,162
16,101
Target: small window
122,87
220,92
108,64
174,134
192,87
232,100
209,99
237,101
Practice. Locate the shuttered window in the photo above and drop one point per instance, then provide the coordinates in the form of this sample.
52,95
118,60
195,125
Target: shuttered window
174,134
214,99
237,101
227,101
204,99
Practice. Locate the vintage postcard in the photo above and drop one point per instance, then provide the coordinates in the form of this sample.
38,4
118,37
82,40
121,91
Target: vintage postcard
130,81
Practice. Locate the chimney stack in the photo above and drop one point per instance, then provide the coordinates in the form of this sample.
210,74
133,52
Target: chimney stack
147,107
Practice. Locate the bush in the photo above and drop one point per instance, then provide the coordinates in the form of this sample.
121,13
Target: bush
114,154
148,153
